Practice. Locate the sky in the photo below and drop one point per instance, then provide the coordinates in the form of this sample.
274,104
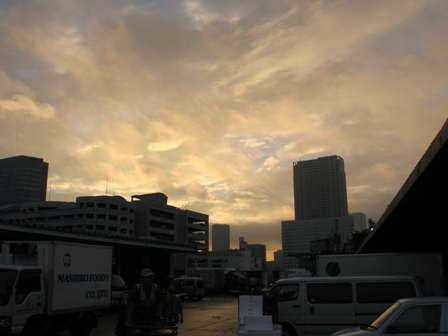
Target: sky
211,102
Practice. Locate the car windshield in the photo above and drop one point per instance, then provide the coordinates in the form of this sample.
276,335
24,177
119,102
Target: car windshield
7,280
383,317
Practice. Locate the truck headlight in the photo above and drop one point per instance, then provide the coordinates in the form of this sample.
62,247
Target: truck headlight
5,321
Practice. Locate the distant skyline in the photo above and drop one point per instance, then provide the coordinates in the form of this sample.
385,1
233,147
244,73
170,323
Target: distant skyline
211,102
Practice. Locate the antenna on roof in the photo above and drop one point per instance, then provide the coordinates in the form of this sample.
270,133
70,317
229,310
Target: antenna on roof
107,181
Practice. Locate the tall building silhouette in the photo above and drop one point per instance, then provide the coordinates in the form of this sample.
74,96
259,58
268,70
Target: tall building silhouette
220,237
23,179
320,189
321,210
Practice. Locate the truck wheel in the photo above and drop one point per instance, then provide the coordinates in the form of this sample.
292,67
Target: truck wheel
34,327
288,331
84,325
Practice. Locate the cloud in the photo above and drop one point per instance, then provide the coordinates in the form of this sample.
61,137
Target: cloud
24,105
212,102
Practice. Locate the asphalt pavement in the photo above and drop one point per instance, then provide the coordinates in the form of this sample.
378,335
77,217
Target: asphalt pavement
209,316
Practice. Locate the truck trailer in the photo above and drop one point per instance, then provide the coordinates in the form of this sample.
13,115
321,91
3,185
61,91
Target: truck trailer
427,266
48,286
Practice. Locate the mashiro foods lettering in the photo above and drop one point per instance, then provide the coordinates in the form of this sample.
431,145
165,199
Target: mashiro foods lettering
65,278
73,277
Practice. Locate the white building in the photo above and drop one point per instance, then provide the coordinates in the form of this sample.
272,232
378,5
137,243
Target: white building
360,221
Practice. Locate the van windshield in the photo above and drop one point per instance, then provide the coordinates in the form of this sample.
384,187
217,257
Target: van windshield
383,317
7,280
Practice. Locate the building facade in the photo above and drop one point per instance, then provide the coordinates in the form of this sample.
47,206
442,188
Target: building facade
23,179
320,188
278,259
147,216
99,214
297,236
241,260
220,237
258,253
156,219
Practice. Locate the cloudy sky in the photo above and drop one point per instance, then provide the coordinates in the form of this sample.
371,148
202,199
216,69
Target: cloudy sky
211,102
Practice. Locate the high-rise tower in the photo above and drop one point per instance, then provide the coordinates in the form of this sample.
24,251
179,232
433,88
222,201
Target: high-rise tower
23,179
320,189
220,237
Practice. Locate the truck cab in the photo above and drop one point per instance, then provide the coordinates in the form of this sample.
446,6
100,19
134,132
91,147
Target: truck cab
48,286
22,295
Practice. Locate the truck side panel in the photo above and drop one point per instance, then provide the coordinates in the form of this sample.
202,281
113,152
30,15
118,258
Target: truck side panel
424,265
81,277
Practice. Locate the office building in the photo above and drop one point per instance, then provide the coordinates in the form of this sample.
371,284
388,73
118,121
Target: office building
23,179
278,259
321,210
297,237
156,219
320,188
220,237
258,253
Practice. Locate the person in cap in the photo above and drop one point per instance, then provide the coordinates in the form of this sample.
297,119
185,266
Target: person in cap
144,299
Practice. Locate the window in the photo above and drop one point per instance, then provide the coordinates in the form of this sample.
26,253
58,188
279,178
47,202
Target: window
7,279
280,293
28,282
285,292
383,292
330,293
422,319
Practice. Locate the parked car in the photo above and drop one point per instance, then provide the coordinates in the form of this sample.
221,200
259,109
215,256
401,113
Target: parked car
417,316
119,287
189,286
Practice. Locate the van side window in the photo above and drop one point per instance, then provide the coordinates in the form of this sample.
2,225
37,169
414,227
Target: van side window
330,293
419,319
28,282
383,292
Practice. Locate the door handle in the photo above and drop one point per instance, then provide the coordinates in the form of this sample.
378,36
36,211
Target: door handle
312,310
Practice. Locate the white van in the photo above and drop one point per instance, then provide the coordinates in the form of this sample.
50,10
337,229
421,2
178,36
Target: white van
322,305
416,316
189,286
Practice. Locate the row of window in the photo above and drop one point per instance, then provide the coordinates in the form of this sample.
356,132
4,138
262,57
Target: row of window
104,206
340,293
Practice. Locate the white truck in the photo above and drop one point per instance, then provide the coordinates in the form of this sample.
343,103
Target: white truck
48,286
427,266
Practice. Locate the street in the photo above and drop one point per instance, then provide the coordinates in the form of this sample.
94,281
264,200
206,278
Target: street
210,316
